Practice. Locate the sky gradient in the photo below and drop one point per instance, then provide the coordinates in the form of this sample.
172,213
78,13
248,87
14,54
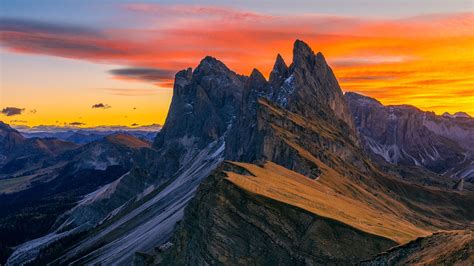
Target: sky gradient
113,62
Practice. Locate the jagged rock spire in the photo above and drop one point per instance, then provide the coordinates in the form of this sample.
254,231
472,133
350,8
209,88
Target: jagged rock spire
257,75
314,87
302,54
182,78
257,82
279,72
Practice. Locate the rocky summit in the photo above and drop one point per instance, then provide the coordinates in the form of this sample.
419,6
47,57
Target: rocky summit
281,171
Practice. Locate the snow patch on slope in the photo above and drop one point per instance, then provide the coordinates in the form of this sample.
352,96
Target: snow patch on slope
286,90
390,153
101,193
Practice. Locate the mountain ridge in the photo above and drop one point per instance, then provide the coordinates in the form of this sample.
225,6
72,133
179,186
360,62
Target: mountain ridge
405,135
274,140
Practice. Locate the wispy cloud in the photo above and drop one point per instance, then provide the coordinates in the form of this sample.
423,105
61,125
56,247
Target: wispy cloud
29,36
11,111
76,124
152,75
18,121
101,106
195,11
129,92
40,27
369,55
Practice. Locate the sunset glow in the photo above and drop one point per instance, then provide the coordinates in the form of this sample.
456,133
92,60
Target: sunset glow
57,71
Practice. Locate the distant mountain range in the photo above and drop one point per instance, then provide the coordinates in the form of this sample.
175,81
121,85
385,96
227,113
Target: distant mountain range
405,135
81,135
42,178
246,170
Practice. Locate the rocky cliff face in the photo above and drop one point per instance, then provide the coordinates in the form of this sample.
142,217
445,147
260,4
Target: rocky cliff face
226,224
302,99
205,103
312,89
431,250
405,135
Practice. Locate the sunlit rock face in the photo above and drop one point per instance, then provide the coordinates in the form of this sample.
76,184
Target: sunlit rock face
308,90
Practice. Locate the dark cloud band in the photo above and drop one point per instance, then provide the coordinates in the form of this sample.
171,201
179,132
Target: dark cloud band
32,26
10,111
144,74
76,124
101,106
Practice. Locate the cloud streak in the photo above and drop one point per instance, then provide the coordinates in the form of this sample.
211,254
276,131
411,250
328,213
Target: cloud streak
39,27
152,75
11,111
131,92
101,106
394,60
76,124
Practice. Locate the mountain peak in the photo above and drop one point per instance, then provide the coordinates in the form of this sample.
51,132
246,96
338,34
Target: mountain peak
257,82
462,114
279,62
301,46
302,53
256,74
7,130
353,97
5,126
456,115
320,57
279,72
209,59
210,65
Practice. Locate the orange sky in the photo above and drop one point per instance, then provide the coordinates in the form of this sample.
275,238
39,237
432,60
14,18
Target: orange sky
426,61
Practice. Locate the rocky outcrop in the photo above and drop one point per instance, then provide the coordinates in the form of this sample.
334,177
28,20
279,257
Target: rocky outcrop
405,135
204,104
314,91
301,100
441,248
227,225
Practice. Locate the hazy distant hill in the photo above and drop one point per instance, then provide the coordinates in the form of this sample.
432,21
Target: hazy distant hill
42,178
86,135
